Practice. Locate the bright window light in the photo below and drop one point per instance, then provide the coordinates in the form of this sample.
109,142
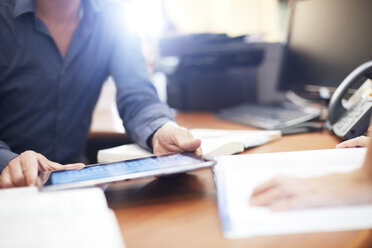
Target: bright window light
146,17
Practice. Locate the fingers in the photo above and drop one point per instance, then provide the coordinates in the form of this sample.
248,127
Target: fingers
287,193
173,138
47,165
190,146
20,171
361,141
199,151
16,175
185,141
290,203
273,191
77,166
28,161
6,181
24,169
264,186
269,197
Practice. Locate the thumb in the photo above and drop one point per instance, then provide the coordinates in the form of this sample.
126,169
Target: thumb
190,146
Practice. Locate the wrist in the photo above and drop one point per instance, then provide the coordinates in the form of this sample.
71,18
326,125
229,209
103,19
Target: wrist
155,135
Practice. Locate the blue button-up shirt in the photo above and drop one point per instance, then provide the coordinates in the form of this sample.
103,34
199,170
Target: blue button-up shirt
46,102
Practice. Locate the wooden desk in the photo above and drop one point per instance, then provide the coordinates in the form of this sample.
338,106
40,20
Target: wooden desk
182,211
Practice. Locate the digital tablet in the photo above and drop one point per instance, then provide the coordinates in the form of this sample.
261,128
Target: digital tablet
123,170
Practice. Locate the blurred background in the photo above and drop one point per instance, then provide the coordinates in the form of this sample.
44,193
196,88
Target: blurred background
262,20
154,18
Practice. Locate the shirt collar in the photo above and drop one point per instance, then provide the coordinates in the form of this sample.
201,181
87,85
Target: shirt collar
27,6
23,6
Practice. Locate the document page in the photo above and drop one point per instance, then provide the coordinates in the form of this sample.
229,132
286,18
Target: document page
71,218
236,177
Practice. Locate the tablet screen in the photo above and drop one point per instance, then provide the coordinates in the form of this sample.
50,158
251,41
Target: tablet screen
110,170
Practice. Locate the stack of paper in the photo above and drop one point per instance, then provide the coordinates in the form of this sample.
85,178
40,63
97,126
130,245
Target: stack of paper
73,218
236,177
215,142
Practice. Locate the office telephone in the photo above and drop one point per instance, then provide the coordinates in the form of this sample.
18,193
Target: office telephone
350,118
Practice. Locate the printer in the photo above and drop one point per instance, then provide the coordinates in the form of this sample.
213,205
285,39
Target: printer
208,72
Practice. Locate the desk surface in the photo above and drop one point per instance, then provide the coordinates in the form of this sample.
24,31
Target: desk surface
182,211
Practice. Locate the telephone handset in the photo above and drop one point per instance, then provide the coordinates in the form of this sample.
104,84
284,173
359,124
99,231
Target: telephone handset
349,119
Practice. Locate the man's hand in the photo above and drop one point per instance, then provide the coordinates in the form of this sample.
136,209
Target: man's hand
23,170
286,193
361,141
173,138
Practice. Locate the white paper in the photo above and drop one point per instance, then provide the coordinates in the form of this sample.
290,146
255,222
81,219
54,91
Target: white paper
238,175
72,218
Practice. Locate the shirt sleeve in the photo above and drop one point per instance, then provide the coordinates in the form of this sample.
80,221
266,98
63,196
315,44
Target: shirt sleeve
138,103
6,155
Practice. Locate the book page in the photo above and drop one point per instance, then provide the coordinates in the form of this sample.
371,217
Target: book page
124,152
218,142
215,142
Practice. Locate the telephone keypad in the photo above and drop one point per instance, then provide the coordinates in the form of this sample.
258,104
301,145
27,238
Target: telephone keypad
352,115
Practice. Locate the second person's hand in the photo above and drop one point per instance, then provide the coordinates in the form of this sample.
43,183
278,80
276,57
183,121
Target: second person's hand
361,141
286,193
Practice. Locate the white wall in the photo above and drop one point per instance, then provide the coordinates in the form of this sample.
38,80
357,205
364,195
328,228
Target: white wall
234,17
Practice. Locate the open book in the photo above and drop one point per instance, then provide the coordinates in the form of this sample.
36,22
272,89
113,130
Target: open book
215,142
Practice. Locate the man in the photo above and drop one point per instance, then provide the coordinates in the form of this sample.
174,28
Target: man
54,57
285,193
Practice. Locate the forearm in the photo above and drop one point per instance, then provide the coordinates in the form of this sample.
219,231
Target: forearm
139,106
6,155
142,114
